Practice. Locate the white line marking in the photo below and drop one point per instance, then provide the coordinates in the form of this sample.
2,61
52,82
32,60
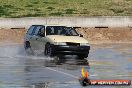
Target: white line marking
62,72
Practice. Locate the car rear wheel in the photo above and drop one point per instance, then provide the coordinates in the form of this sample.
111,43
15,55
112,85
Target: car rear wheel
28,48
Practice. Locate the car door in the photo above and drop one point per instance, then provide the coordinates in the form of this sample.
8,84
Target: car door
29,35
33,38
40,38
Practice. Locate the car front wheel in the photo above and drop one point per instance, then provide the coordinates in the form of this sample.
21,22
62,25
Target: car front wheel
82,56
48,50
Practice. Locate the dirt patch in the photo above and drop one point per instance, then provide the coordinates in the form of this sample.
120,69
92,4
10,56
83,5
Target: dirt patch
93,35
12,35
107,35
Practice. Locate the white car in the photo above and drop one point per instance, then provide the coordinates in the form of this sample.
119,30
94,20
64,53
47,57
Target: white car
56,40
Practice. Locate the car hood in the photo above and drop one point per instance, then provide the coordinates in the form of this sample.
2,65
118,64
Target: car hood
61,38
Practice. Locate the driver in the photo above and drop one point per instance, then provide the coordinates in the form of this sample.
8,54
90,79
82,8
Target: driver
64,32
49,30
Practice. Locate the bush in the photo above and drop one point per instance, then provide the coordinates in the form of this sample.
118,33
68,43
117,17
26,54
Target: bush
56,14
50,8
70,11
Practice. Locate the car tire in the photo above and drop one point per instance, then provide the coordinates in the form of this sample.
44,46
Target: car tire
28,48
58,59
48,50
82,56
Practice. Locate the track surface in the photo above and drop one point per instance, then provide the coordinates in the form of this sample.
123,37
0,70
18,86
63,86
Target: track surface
18,70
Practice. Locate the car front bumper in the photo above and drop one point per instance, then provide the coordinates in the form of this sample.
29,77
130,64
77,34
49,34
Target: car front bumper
70,50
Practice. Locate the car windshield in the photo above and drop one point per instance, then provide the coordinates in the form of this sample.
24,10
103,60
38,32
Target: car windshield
61,30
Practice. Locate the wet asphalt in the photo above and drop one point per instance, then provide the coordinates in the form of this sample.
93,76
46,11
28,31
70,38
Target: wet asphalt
105,61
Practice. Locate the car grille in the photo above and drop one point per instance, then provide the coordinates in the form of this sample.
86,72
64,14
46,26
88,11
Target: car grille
72,44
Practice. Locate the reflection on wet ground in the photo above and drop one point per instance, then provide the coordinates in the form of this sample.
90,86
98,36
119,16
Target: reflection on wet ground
18,70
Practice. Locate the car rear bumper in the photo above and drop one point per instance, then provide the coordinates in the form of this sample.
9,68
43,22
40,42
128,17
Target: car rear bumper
70,50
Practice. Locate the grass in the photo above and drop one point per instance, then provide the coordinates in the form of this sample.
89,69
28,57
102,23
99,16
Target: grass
45,8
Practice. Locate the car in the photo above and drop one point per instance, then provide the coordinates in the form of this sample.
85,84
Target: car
56,40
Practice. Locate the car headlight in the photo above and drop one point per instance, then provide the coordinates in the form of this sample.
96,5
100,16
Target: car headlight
84,44
60,43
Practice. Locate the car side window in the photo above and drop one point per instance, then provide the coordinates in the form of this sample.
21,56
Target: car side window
33,32
37,29
30,30
40,31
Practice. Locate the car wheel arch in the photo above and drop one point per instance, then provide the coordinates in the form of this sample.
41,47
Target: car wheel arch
27,44
47,43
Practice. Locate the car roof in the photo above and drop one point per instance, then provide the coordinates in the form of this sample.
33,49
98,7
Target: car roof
52,25
37,25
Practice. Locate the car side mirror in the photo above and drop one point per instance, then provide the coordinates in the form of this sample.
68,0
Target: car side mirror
80,35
